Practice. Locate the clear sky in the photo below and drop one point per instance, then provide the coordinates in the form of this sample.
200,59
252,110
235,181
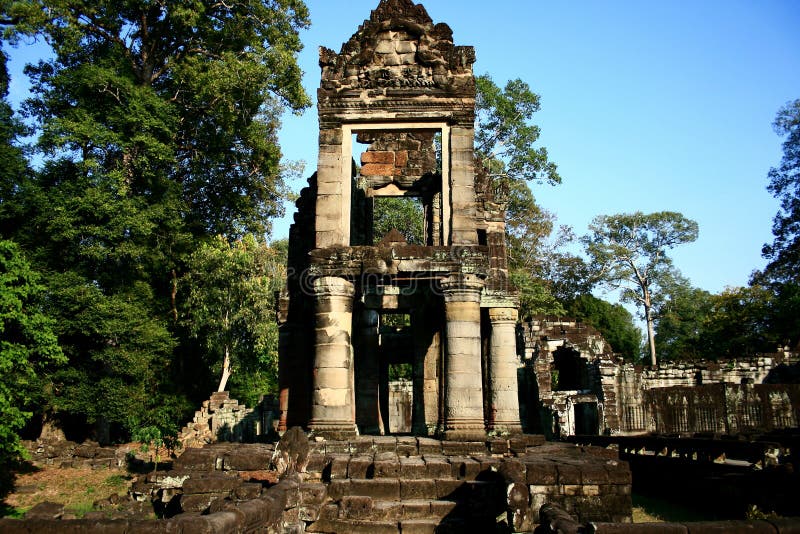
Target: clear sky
646,106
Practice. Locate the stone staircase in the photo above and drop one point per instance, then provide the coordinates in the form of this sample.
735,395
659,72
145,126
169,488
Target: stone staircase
405,485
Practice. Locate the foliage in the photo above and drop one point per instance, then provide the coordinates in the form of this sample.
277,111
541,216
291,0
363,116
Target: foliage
505,139
157,130
230,305
28,347
784,184
681,321
613,321
628,252
401,213
505,136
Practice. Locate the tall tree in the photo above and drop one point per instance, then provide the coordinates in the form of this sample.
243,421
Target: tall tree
628,252
230,304
681,321
784,183
28,347
157,126
506,145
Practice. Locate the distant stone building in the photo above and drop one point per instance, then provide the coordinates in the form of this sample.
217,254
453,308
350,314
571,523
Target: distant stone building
357,302
572,383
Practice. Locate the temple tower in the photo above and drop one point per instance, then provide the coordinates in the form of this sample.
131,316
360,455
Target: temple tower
396,112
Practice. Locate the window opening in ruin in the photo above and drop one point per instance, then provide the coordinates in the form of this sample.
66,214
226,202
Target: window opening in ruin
483,239
404,214
570,369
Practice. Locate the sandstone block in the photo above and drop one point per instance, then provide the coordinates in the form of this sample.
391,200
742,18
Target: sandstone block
418,489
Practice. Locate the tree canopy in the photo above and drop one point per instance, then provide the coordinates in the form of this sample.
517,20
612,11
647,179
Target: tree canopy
156,130
628,252
784,184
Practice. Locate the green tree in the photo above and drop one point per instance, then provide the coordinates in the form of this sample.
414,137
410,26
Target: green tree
230,305
628,252
157,126
401,213
505,144
784,184
613,321
28,347
681,321
740,322
782,273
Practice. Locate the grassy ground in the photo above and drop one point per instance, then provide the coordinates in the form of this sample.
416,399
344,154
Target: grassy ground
76,488
651,510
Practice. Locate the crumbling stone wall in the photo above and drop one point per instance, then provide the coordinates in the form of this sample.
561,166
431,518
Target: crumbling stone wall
727,396
223,419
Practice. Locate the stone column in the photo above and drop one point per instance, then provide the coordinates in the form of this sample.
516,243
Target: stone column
367,379
463,389
332,400
503,416
462,190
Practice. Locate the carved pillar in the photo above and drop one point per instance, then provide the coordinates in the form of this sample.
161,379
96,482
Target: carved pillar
503,416
463,389
332,401
367,379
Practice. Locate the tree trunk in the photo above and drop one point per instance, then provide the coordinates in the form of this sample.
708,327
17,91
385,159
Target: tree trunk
226,370
651,336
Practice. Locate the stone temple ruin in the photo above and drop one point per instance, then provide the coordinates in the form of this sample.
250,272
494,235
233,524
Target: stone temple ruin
401,88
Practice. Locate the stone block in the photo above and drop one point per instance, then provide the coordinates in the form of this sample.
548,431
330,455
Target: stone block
199,502
337,468
211,483
354,526
385,444
195,459
247,491
375,156
378,169
464,468
541,473
618,472
446,489
438,467
418,489
387,510
412,468
419,526
378,488
338,488
313,493
45,510
407,446
429,446
355,507
498,446
360,467
593,473
513,471
416,508
441,509
568,474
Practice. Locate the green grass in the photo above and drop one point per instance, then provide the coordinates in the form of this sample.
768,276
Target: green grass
650,509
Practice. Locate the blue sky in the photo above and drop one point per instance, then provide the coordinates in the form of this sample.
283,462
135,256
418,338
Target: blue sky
646,106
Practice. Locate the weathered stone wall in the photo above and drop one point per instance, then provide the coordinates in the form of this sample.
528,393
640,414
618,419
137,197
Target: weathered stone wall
673,397
223,419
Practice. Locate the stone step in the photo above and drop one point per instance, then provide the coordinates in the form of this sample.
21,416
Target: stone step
390,465
395,489
363,514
